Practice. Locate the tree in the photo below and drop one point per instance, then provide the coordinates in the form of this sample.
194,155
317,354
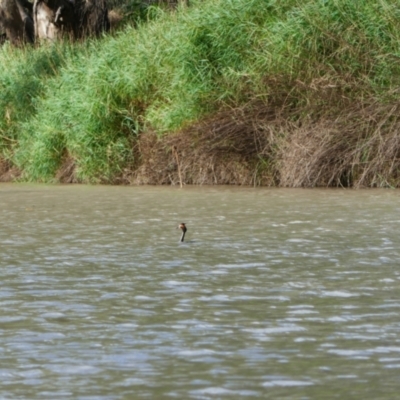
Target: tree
16,21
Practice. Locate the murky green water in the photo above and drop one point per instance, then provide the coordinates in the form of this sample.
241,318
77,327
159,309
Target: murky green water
278,294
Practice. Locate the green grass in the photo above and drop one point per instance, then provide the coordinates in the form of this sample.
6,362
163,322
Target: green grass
90,102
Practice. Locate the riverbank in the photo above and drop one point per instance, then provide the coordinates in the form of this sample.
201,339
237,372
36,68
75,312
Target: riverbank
239,92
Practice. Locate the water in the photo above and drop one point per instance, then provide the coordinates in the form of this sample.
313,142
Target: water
278,294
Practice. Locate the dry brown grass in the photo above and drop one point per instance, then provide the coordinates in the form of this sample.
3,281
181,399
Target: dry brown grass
66,173
358,148
8,172
349,145
223,149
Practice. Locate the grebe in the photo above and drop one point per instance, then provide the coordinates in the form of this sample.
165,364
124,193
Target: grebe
183,228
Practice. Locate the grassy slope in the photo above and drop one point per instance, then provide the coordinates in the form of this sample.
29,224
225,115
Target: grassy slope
90,102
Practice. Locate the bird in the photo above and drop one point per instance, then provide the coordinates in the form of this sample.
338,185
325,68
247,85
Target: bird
183,228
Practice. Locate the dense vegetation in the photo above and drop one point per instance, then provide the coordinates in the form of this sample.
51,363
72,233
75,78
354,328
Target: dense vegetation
289,92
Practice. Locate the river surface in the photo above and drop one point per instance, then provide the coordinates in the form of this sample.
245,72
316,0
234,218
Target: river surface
276,294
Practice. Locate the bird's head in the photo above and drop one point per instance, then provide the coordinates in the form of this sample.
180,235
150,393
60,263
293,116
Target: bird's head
182,226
